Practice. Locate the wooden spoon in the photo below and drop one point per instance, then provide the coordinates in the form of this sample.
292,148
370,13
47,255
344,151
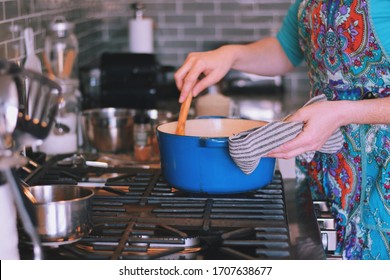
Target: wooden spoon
68,64
185,107
49,70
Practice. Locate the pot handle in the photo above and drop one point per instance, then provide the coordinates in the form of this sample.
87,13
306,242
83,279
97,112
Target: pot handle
213,142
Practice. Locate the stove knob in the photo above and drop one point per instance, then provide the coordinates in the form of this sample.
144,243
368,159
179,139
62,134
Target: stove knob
324,239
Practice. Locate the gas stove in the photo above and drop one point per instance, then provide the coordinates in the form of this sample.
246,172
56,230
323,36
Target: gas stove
138,215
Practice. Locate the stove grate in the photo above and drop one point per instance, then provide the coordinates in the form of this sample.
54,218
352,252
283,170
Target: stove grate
138,215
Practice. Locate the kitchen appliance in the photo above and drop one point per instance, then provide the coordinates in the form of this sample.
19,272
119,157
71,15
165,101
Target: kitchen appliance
134,80
137,215
199,161
28,117
9,107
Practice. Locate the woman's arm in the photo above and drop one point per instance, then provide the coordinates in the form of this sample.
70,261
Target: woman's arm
265,57
323,118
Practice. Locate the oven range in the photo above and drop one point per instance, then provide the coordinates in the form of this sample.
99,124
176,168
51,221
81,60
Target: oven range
137,215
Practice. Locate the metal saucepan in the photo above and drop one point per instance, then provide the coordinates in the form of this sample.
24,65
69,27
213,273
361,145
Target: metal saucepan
110,130
200,162
63,212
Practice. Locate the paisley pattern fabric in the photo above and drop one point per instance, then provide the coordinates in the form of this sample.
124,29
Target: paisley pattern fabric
346,62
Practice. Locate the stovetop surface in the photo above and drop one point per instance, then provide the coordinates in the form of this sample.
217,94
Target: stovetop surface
138,215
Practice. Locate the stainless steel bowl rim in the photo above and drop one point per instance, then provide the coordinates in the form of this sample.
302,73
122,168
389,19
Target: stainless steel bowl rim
109,112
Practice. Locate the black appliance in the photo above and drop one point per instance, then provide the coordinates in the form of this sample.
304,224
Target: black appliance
138,215
134,80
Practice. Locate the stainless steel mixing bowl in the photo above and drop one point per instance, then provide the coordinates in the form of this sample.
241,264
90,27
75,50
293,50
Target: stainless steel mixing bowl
108,130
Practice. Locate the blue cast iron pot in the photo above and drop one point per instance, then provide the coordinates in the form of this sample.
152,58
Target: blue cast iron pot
200,162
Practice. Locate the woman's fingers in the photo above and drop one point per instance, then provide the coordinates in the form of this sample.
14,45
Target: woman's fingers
201,70
290,149
187,76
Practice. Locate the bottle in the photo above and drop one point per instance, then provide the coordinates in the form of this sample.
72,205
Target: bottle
142,137
141,33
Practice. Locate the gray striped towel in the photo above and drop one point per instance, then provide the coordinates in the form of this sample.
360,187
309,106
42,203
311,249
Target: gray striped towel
248,147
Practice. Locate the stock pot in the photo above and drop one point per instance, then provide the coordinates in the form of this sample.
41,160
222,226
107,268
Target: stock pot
200,162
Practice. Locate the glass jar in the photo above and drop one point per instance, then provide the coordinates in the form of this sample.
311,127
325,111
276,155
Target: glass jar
63,137
142,137
61,49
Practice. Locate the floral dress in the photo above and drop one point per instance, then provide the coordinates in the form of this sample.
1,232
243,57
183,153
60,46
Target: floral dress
346,62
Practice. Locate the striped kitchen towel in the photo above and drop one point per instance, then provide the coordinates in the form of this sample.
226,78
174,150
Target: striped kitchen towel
248,147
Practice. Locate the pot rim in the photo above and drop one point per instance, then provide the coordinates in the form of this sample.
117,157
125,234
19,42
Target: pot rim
73,200
254,124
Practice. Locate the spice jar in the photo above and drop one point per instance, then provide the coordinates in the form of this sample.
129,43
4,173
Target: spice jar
142,137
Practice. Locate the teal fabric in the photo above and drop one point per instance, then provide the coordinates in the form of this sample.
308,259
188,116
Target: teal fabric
380,17
288,33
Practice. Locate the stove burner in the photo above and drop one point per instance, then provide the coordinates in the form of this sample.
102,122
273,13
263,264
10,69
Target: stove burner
136,241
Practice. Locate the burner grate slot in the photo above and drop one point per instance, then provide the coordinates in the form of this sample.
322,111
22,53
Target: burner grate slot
273,254
108,209
179,210
257,243
264,236
249,217
248,210
181,215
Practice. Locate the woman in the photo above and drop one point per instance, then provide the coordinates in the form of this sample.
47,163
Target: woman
347,50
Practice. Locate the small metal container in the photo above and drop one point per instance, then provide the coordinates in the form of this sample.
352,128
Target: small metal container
63,212
108,130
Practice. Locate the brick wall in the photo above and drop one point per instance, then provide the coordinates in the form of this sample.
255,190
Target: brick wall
181,26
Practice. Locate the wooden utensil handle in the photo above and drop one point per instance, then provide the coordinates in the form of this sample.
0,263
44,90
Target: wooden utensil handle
49,70
68,64
185,107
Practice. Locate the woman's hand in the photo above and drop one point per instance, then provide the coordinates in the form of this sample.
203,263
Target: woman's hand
202,69
320,121
212,66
